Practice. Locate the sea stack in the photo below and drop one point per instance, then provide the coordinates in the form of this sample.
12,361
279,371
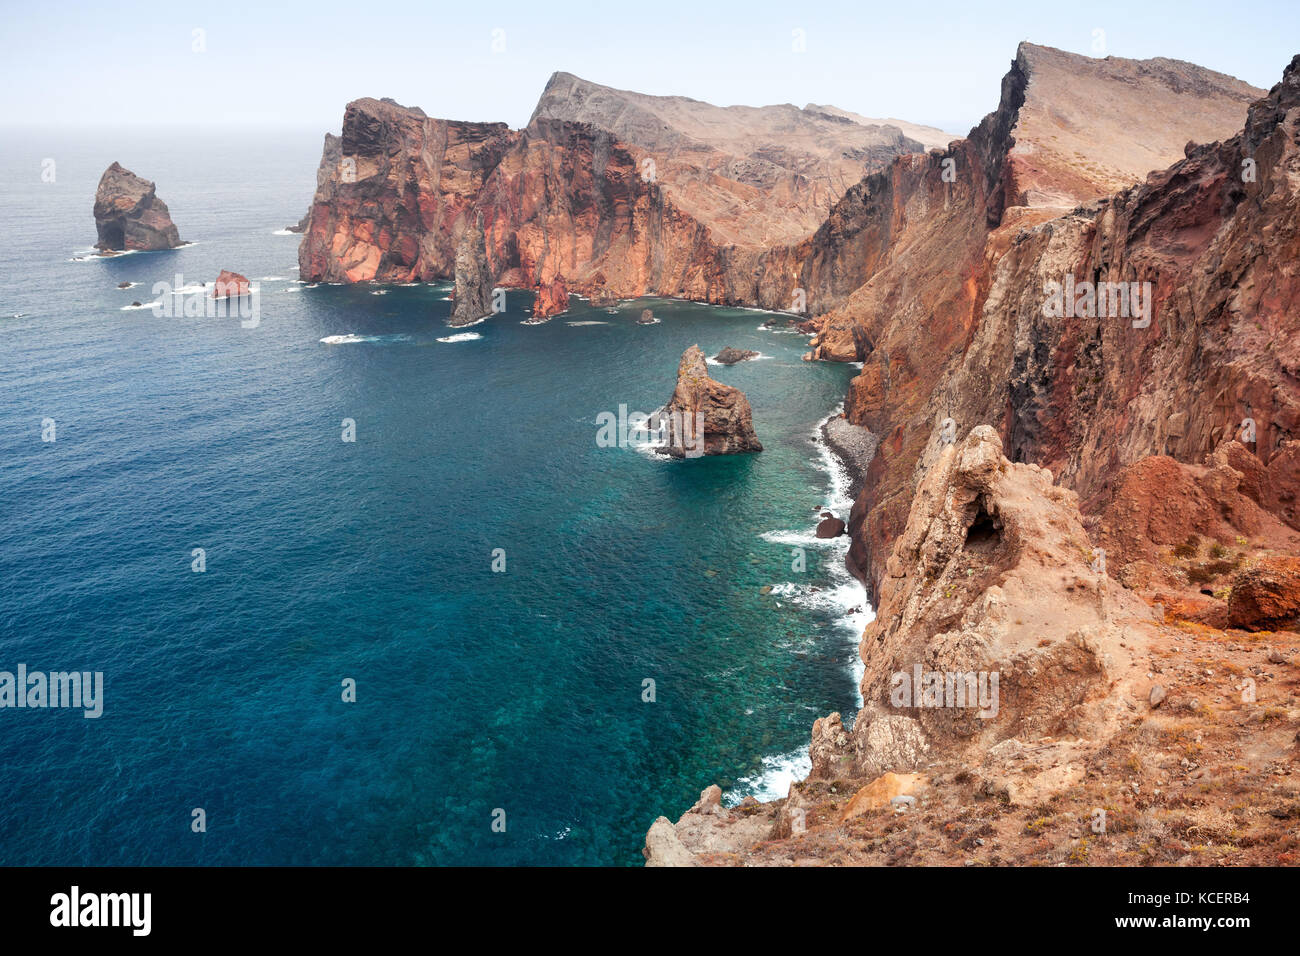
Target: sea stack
705,416
473,278
128,214
552,299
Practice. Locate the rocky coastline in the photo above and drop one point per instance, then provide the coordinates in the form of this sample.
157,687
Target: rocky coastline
1075,509
1069,577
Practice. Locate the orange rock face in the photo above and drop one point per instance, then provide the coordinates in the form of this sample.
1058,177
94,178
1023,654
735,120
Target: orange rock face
394,194
1266,597
551,300
229,284
652,214
1084,391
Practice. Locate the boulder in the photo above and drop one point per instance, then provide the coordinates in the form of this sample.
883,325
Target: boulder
664,848
881,792
887,743
1267,596
830,528
828,748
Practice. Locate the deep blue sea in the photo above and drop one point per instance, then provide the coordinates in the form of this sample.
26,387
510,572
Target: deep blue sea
477,691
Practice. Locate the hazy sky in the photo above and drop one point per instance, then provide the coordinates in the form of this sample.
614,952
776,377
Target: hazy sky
298,64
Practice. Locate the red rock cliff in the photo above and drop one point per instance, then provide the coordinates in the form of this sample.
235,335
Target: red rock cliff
662,213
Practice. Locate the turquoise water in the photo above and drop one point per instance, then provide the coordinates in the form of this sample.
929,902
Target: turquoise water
477,690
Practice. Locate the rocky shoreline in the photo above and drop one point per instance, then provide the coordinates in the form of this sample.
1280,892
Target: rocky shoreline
854,445
1087,729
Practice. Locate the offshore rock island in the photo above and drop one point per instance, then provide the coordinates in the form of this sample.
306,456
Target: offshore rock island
706,417
129,216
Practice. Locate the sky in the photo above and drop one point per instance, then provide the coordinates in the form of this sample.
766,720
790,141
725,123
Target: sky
298,64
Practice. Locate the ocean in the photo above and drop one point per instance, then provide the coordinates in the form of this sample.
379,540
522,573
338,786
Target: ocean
498,587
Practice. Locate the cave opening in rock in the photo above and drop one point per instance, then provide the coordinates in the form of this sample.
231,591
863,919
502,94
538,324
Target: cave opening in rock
985,531
113,237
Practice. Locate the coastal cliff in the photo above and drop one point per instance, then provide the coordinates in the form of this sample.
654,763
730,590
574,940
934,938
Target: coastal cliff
1080,392
395,194
1089,392
1022,707
1112,534
620,194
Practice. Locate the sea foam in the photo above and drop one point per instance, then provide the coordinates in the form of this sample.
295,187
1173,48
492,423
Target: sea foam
843,597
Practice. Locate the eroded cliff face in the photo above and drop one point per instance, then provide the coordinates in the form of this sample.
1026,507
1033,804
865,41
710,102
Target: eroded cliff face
571,201
965,277
395,193
669,197
1215,354
1116,536
753,176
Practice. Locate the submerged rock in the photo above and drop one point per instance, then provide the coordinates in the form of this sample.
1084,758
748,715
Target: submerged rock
830,528
730,356
706,417
129,215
